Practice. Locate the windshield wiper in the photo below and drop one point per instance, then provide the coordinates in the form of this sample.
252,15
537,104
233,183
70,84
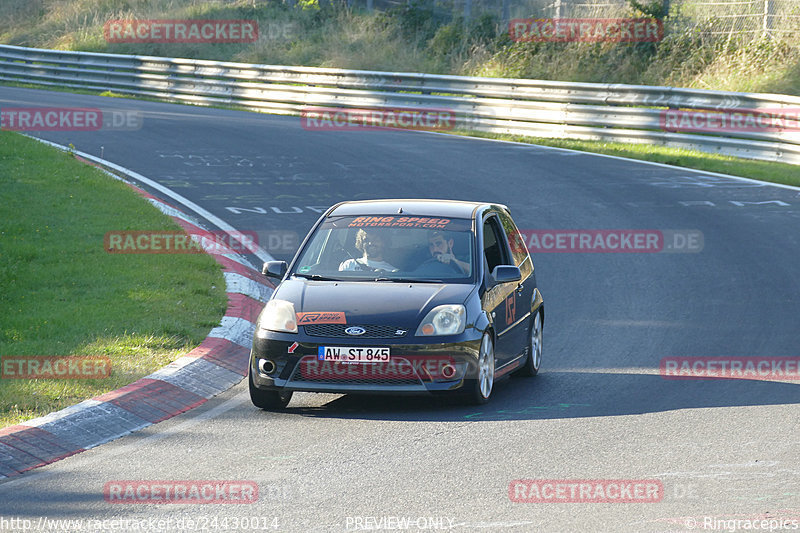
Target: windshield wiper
409,280
316,277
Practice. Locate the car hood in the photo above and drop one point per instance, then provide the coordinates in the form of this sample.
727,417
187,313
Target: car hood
387,303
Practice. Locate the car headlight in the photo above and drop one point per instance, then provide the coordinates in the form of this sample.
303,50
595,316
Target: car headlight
443,320
278,315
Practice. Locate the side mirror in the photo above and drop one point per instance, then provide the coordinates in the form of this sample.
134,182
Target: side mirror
505,274
275,269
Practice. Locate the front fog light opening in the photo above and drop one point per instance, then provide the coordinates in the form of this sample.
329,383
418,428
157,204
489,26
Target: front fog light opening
448,371
266,366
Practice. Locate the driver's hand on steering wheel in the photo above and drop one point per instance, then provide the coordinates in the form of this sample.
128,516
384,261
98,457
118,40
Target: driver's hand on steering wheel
445,258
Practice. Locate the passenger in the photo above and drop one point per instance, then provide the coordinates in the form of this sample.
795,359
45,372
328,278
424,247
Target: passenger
371,245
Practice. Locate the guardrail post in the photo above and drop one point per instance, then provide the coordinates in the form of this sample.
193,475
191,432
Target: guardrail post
769,11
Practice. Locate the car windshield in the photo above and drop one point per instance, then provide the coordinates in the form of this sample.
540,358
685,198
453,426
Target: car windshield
389,248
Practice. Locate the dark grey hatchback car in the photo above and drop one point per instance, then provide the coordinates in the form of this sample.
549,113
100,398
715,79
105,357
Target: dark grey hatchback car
400,297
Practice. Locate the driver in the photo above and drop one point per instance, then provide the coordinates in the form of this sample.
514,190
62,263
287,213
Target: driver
371,245
442,250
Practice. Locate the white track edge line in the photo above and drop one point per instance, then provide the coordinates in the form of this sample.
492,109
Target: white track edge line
233,232
655,163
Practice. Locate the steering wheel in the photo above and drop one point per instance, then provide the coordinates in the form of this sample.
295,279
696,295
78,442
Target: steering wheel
366,268
450,267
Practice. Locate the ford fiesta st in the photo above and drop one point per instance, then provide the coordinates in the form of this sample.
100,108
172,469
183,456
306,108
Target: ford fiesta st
400,297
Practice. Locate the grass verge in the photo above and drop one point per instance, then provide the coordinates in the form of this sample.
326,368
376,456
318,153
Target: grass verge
62,294
747,168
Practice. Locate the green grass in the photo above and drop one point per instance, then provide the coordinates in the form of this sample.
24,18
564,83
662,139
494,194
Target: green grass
61,293
746,168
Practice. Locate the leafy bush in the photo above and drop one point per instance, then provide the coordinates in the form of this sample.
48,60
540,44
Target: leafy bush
427,36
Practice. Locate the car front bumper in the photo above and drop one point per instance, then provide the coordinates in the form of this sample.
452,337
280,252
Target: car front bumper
432,368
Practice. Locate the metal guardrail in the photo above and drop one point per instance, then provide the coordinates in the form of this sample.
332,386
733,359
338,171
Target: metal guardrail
590,111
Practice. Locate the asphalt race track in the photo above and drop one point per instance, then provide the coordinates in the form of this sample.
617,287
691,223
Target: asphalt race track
599,410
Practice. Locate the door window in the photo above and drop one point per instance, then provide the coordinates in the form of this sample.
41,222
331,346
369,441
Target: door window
494,244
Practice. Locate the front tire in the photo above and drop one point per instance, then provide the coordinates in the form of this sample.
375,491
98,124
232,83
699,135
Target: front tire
268,399
479,390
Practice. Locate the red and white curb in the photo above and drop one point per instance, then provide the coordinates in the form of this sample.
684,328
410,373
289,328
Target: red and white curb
218,364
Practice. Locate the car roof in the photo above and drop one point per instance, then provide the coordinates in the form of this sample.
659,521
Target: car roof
410,207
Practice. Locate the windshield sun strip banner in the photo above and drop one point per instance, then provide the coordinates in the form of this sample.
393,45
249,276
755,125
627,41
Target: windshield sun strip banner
393,221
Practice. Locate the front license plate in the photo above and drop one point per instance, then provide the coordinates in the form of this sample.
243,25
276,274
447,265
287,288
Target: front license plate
353,354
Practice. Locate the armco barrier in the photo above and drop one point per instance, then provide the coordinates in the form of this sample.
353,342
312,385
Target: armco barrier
590,111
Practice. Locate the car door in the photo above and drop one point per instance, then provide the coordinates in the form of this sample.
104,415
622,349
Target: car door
500,300
523,296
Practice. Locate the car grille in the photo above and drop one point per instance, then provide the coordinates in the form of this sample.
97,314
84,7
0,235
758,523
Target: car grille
356,381
334,372
337,330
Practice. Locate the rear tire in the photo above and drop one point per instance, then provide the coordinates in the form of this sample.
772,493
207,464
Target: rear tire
534,360
268,399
